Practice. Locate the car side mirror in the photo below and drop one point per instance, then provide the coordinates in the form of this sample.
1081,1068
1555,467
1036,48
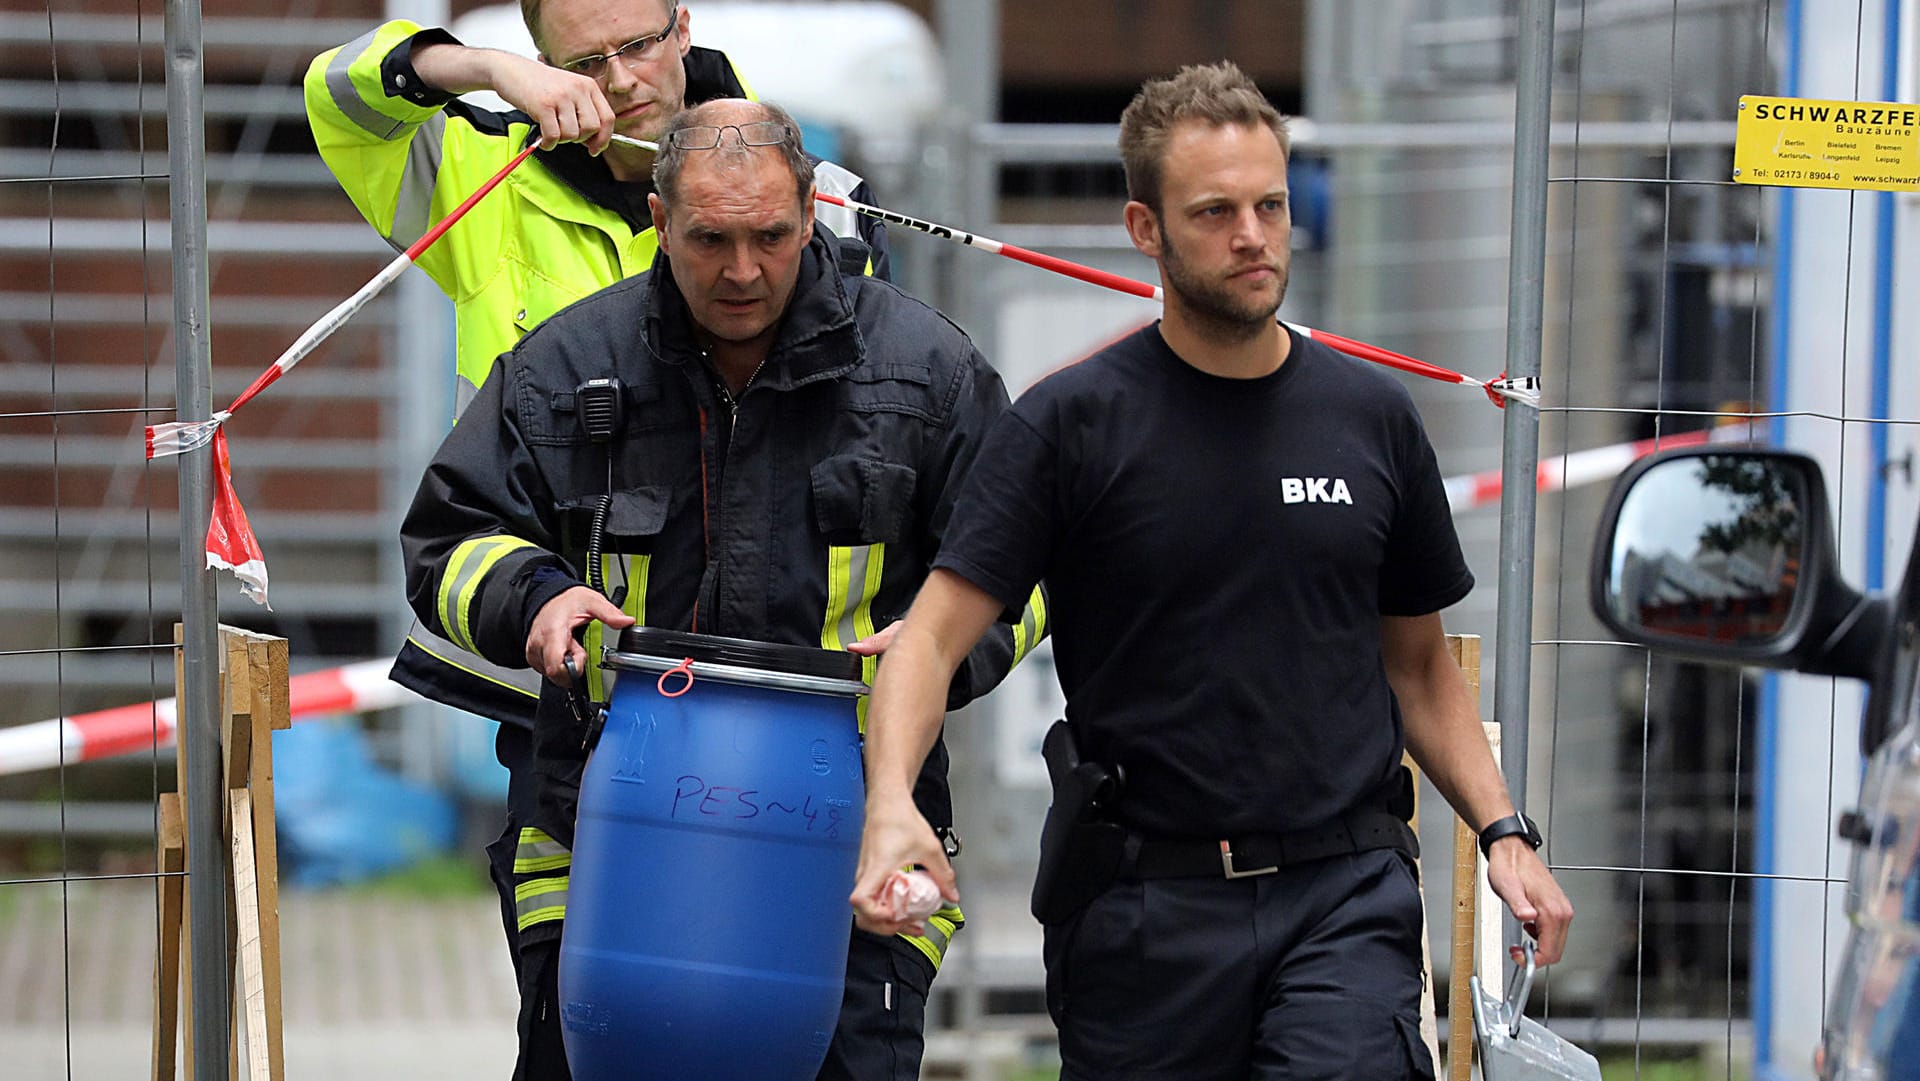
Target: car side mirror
1725,554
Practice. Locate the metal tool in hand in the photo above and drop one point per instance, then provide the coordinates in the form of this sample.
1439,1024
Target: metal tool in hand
590,716
1514,1047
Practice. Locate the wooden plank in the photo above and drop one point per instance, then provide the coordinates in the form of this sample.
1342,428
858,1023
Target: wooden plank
253,1004
236,758
1465,650
1459,991
236,701
171,860
182,725
268,664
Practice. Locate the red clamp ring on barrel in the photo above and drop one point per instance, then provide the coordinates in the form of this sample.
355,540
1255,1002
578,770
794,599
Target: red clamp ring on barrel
684,668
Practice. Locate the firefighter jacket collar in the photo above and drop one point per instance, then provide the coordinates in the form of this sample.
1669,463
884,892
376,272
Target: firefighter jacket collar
817,338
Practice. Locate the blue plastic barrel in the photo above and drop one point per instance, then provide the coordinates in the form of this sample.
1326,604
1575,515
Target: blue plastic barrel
707,917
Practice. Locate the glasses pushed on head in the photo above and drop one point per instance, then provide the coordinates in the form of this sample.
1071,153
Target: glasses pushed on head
633,53
707,136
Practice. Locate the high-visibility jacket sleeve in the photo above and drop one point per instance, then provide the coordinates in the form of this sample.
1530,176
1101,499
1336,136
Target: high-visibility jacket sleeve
393,146
480,538
980,397
873,232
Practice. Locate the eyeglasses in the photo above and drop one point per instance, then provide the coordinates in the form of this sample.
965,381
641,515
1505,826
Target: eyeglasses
633,52
707,136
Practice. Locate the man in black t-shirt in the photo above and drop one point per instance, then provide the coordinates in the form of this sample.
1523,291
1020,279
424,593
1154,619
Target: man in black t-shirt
1247,546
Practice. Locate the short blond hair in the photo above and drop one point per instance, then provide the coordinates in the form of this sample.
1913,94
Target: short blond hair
530,14
1220,95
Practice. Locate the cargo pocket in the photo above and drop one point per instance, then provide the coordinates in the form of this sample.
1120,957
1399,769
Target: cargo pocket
912,982
1420,1066
862,500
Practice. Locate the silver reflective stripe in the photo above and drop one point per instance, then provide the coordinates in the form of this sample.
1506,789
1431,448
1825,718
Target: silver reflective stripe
938,935
464,392
836,180
347,99
940,928
540,900
536,852
523,680
412,210
855,597
470,562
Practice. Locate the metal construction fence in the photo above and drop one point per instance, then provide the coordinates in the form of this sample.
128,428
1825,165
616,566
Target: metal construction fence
1494,186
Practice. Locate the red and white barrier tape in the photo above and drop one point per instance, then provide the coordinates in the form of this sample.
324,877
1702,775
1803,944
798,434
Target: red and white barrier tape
363,687
1583,467
230,541
355,688
1499,391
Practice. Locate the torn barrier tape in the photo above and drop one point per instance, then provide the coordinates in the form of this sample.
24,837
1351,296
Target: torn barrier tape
179,437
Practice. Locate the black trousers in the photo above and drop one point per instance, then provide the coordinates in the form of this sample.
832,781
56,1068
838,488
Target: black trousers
879,1037
513,747
1311,973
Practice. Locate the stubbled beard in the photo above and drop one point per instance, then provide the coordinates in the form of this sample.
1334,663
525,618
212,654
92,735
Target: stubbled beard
1218,312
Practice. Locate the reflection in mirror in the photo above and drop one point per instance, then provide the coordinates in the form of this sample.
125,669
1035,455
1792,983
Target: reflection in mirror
1709,548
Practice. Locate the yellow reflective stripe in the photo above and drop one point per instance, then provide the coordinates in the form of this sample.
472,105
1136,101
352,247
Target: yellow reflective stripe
941,927
1033,621
839,567
536,852
472,664
467,566
853,581
592,641
636,606
541,900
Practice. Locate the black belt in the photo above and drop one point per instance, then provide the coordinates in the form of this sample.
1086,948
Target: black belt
1265,853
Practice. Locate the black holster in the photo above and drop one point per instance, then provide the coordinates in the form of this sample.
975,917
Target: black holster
1081,848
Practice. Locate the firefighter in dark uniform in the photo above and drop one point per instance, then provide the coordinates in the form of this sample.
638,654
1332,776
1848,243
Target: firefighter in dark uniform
1246,542
568,222
789,437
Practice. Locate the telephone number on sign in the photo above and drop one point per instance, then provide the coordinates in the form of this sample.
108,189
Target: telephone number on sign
1794,174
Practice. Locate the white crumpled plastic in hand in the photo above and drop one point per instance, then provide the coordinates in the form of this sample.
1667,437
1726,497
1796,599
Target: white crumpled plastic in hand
912,896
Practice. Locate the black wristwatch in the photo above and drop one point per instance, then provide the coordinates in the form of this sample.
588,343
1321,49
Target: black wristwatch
1514,825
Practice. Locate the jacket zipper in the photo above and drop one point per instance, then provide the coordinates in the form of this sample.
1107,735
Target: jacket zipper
728,399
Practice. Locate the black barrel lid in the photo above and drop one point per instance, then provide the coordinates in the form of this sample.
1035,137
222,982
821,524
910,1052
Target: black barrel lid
741,652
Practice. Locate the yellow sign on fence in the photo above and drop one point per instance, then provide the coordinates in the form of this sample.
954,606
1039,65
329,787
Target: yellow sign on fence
1802,143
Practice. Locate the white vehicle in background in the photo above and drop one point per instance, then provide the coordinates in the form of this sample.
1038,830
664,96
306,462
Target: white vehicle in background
1726,555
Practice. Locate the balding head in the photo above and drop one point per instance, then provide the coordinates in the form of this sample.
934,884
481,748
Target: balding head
730,121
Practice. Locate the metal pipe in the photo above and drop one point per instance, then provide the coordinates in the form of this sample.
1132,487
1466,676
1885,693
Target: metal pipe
199,607
1520,449
969,33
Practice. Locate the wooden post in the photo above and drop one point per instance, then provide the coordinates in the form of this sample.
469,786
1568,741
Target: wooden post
253,996
271,711
172,863
184,996
254,699
1465,649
